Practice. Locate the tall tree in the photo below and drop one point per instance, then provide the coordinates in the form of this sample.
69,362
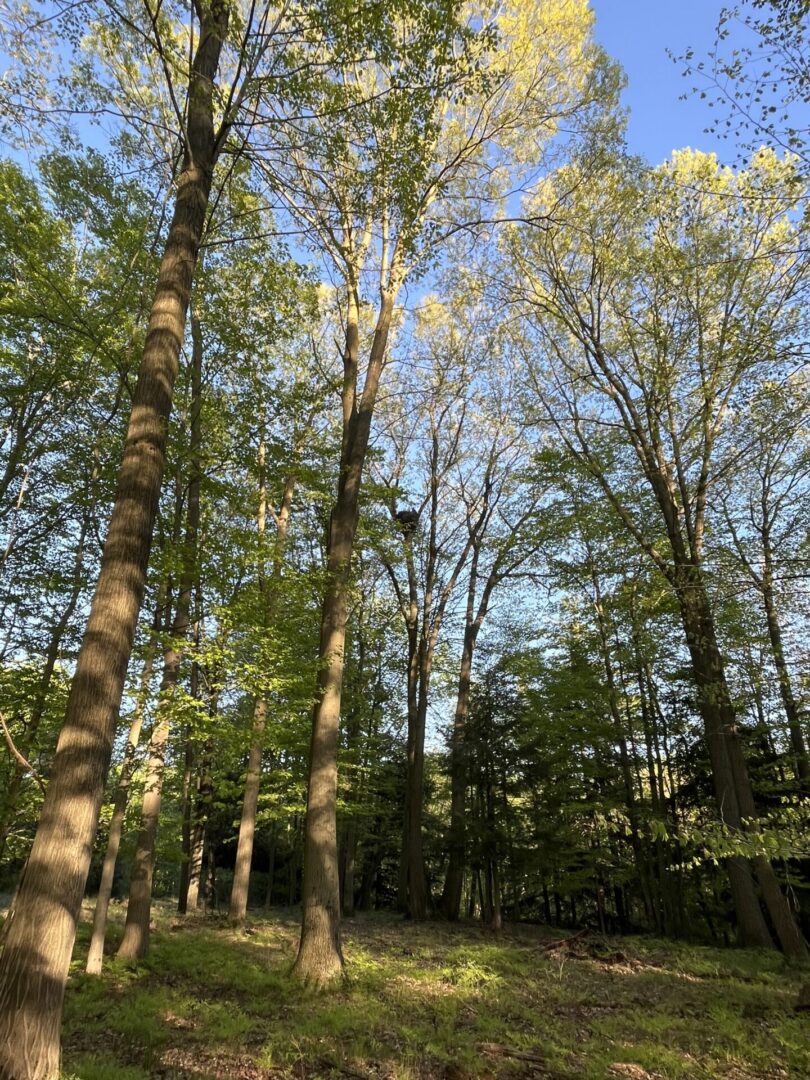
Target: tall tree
412,162
36,955
644,339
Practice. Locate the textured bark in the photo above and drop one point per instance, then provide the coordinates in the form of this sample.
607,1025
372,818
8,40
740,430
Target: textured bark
202,809
319,956
135,942
95,956
36,956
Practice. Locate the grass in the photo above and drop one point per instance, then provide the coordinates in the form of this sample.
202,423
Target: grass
433,1002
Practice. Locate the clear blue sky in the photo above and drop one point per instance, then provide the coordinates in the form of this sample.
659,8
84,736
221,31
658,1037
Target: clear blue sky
637,33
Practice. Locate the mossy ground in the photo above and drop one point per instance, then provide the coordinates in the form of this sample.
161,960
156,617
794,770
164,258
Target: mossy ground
433,1001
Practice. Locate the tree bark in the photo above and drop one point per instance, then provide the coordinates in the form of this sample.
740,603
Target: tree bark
95,956
320,958
36,956
135,942
186,804
202,810
456,840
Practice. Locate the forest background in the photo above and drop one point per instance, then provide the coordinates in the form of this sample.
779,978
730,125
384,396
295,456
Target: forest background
439,518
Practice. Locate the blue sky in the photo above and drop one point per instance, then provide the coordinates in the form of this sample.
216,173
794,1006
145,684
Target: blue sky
637,33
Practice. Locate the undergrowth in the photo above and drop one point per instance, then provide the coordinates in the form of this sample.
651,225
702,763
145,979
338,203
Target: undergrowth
433,1001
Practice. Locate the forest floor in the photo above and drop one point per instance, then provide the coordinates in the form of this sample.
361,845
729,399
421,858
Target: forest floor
432,1002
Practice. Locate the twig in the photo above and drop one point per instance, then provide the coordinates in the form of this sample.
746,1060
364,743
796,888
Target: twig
22,761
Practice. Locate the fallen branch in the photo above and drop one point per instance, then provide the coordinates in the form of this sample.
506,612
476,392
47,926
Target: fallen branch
21,760
564,942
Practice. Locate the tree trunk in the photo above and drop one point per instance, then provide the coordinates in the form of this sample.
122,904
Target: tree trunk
186,799
237,910
36,956
185,827
350,848
800,761
95,956
271,868
135,942
320,958
415,858
201,812
456,840
731,780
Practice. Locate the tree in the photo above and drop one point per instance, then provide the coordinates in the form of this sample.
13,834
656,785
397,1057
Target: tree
32,978
412,165
639,371
764,513
756,75
424,422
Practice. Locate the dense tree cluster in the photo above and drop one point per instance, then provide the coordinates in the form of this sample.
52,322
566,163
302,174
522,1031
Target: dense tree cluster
403,489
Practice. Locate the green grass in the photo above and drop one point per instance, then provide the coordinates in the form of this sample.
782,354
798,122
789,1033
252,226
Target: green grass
434,1001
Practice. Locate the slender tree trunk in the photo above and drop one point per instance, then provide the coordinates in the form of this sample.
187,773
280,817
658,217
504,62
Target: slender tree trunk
36,955
95,956
186,812
186,796
320,958
271,868
456,840
202,810
292,865
417,885
800,761
237,910
247,826
419,664
350,842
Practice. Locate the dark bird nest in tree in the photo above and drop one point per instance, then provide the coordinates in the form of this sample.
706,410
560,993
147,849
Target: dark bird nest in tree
408,520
